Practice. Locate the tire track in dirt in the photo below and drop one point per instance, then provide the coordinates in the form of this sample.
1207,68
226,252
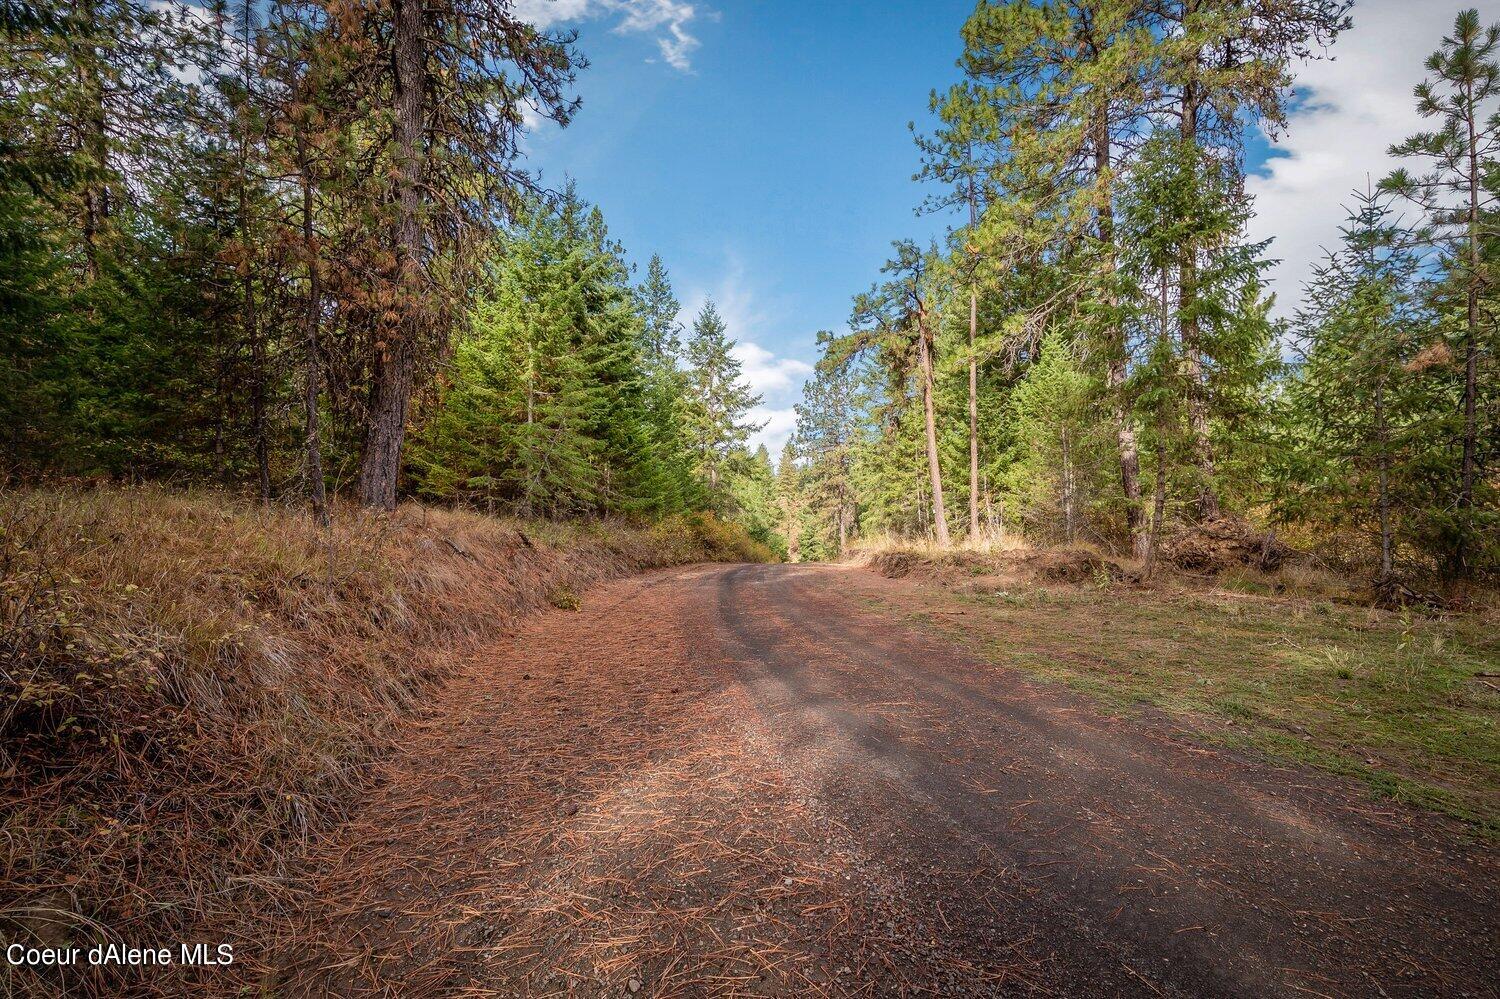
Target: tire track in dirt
737,780
1203,872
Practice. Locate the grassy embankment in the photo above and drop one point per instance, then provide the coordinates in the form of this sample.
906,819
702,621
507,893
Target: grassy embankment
1288,664
192,686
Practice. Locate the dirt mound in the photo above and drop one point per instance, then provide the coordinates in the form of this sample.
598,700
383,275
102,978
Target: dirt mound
900,564
1069,565
1225,543
1066,565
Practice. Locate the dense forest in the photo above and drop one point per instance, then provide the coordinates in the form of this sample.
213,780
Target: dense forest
292,248
1093,354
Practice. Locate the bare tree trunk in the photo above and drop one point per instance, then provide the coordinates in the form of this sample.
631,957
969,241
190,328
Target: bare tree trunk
973,374
1116,366
95,140
934,471
973,417
312,353
250,320
1069,515
921,507
1471,353
1159,493
1207,502
1384,499
1158,504
385,423
258,397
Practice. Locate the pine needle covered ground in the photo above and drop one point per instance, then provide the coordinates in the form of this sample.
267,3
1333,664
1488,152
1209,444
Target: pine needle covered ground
192,686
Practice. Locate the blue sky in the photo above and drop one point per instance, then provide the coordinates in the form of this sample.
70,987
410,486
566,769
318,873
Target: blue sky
762,148
771,168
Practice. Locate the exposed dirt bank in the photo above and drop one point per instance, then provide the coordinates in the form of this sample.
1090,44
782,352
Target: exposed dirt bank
192,687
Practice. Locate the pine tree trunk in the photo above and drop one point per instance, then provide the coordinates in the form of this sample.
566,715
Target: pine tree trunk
250,316
1159,494
385,423
973,418
1158,505
1384,497
1471,355
934,471
1116,366
1207,501
96,197
1069,524
258,364
973,378
312,374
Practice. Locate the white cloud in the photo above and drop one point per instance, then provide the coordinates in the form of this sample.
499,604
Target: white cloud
779,424
767,373
777,379
1354,106
668,20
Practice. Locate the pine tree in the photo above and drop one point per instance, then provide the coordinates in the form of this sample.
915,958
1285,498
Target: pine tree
511,428
544,411
750,495
1227,62
718,398
790,500
1072,85
1359,409
453,79
1180,204
952,157
897,324
828,433
1053,476
1459,203
666,391
659,308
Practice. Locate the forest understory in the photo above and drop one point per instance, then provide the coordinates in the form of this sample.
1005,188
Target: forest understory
196,687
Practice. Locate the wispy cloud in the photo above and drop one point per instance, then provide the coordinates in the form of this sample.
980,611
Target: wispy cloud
1351,109
668,20
777,379
769,374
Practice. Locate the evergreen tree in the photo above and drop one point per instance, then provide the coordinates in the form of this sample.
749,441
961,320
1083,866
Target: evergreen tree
1226,62
750,495
452,80
718,398
828,433
896,324
659,308
1359,409
1055,472
1072,86
1459,206
545,411
790,501
666,391
1181,203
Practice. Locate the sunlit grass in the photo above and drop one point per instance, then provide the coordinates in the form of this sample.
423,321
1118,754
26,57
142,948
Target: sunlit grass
1393,699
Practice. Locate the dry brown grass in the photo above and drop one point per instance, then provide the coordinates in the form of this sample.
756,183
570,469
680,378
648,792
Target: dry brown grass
191,686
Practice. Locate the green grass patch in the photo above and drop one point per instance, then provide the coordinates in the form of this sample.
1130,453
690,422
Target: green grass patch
1393,700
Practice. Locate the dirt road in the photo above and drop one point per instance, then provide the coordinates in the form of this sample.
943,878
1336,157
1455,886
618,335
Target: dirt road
742,780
